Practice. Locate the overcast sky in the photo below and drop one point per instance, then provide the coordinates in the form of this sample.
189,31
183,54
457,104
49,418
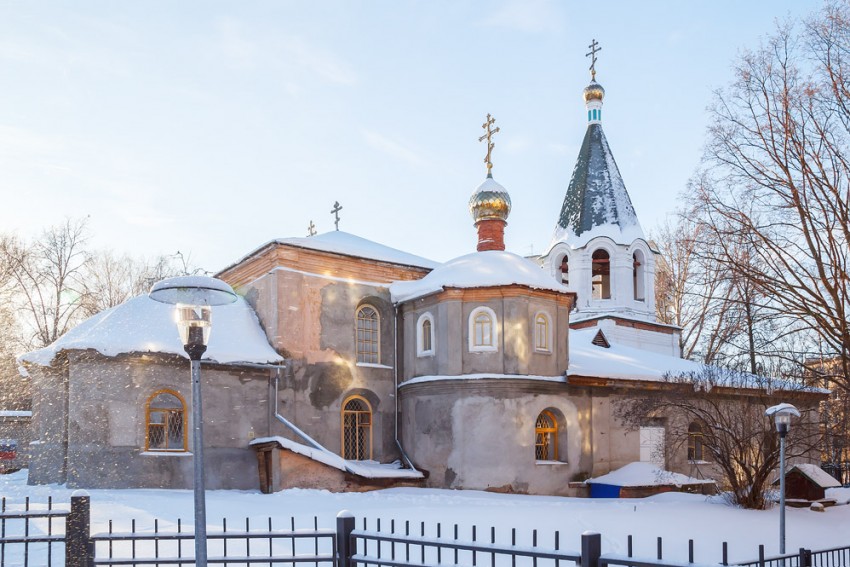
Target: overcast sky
212,127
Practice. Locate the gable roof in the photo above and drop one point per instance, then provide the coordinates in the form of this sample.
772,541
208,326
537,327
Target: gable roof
816,474
597,203
340,242
143,325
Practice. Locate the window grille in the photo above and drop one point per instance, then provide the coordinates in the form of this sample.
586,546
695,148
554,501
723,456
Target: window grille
165,422
546,437
357,429
368,335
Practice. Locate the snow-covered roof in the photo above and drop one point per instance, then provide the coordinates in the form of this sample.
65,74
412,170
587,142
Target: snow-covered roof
366,469
340,242
817,475
597,203
621,362
142,325
479,269
645,474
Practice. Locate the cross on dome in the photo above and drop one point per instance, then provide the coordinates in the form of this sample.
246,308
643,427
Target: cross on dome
489,136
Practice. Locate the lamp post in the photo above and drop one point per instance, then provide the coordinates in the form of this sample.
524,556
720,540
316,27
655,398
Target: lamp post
194,296
782,418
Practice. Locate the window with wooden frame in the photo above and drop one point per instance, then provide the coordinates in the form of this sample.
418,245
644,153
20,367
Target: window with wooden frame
368,335
542,333
546,437
695,442
601,274
165,417
425,335
356,429
482,330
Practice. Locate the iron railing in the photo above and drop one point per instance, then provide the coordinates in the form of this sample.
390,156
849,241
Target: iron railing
32,535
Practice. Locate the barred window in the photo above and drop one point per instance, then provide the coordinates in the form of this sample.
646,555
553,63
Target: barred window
546,437
165,416
368,335
601,273
356,429
541,333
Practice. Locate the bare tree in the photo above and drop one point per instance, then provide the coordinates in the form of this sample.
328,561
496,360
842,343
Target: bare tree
727,408
47,275
779,188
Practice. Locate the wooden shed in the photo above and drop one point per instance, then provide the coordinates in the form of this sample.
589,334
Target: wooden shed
807,482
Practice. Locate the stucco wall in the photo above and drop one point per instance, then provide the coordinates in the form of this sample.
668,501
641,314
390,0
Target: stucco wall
515,353
106,423
310,318
480,434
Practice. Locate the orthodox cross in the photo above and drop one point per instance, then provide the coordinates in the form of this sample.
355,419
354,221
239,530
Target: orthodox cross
311,229
335,211
489,136
594,49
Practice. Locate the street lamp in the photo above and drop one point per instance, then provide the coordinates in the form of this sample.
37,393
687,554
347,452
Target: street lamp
194,296
782,417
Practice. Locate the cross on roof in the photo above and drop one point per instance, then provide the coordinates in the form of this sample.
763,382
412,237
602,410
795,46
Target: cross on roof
335,211
489,136
311,229
594,49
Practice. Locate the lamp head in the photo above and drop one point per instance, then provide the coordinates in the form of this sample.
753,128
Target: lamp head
782,417
194,323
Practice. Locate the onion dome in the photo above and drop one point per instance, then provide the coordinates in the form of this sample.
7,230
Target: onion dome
490,201
594,91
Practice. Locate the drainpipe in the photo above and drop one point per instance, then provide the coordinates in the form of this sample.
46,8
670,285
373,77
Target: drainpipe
292,427
404,456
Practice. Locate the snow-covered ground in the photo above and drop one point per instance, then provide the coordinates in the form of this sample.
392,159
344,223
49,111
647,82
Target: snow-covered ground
675,517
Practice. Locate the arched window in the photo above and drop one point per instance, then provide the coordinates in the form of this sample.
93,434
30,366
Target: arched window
638,278
565,270
356,429
542,333
695,437
425,335
546,437
368,335
482,330
601,275
165,418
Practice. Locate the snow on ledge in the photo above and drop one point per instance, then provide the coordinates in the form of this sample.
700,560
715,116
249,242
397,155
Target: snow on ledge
423,379
645,474
366,469
15,413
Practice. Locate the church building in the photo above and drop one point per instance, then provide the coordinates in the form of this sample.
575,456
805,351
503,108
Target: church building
349,365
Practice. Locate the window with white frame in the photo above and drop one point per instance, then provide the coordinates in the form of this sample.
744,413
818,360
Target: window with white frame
425,335
542,333
483,335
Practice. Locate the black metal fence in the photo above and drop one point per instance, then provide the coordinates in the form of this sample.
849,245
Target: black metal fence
44,536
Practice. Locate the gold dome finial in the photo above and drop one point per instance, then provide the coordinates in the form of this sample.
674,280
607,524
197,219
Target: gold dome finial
489,136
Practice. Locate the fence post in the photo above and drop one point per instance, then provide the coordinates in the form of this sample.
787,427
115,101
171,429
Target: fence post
344,549
591,549
79,551
805,557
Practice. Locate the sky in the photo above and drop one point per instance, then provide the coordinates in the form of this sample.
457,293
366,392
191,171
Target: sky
211,128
